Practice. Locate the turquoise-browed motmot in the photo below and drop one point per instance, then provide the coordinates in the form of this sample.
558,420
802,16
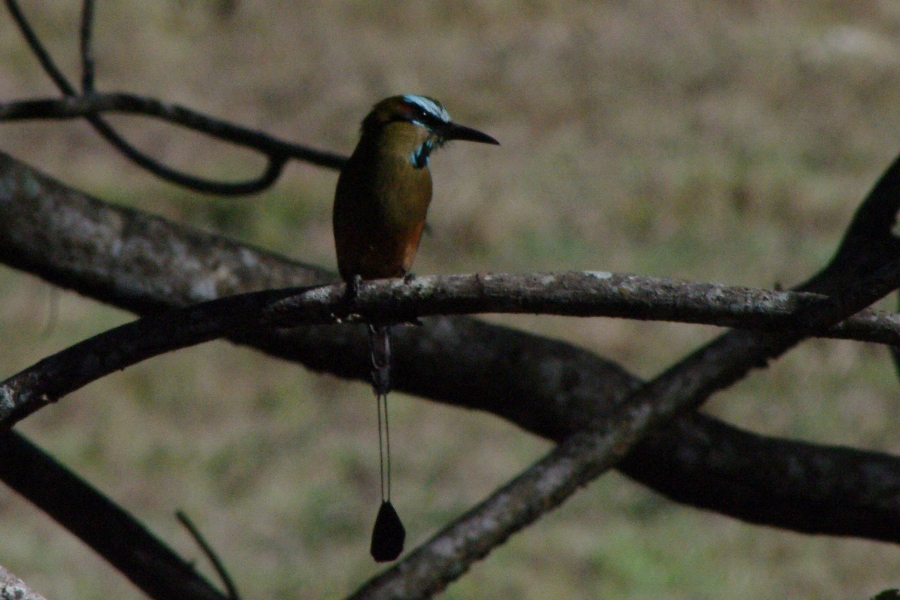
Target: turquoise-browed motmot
380,205
384,191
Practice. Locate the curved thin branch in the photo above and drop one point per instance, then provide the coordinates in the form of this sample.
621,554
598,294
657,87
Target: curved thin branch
230,588
37,47
273,168
74,107
276,158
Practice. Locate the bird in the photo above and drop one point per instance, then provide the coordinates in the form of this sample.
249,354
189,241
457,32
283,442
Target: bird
380,207
384,191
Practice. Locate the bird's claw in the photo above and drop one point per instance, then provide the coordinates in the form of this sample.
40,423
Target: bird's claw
344,310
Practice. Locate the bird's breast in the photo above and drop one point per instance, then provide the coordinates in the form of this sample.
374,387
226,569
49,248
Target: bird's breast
380,208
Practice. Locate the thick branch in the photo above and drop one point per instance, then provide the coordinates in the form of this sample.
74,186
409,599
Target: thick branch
741,461
588,294
146,264
581,294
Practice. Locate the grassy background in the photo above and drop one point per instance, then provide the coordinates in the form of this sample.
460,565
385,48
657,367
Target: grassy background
724,141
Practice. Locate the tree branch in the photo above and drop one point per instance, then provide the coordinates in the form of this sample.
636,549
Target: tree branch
585,454
87,55
90,104
572,294
146,264
276,152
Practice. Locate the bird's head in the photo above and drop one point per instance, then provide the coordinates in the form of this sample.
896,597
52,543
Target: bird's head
423,123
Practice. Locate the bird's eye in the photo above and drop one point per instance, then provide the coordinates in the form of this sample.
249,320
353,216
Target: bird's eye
420,115
424,111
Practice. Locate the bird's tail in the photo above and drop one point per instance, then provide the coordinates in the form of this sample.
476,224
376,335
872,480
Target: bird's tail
388,534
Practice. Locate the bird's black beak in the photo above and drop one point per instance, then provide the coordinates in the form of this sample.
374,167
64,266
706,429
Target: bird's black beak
452,131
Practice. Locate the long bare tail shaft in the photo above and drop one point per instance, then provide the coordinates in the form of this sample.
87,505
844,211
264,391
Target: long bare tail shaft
388,535
380,338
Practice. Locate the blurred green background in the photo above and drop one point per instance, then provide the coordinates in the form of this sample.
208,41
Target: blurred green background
724,141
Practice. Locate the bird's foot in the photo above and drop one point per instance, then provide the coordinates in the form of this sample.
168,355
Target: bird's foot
347,304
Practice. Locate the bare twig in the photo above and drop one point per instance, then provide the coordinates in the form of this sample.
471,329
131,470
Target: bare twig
210,554
38,49
87,55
